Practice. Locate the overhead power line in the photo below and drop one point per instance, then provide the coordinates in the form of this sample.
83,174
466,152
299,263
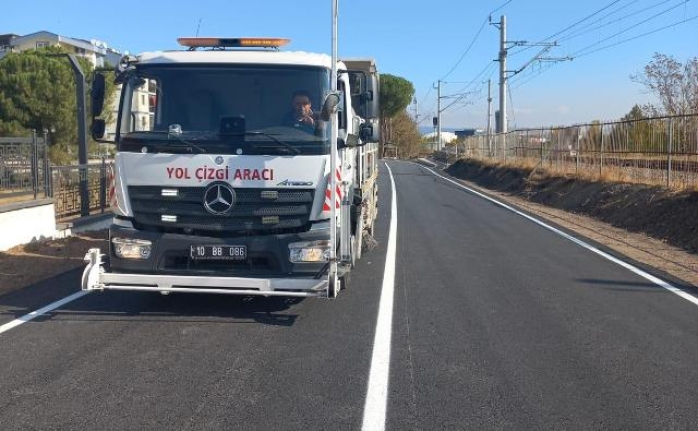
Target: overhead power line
522,81
569,27
500,7
640,35
581,51
466,50
582,20
602,18
464,92
472,42
426,96
511,105
588,30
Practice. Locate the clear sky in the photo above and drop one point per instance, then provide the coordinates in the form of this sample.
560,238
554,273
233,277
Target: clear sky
423,42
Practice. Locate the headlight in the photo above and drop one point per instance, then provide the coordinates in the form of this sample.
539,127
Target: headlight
126,248
309,251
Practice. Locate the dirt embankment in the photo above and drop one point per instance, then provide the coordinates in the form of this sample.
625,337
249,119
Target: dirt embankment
671,217
28,264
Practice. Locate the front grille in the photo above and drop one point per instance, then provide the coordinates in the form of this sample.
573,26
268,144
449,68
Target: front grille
283,211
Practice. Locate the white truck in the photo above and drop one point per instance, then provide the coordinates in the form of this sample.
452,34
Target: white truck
216,188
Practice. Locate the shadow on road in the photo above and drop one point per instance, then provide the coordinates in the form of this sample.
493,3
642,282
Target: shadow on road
646,286
144,306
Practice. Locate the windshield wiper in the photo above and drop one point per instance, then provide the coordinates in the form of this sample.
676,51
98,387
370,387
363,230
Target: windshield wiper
177,142
190,144
270,136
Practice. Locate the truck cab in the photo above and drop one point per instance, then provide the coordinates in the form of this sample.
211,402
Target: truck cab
221,185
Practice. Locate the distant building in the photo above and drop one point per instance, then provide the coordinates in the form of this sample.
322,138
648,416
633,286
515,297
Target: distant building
6,42
468,132
97,52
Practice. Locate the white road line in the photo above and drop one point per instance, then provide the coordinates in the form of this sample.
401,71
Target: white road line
659,282
428,161
34,314
377,394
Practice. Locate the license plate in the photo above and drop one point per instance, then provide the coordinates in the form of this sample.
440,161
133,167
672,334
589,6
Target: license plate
218,252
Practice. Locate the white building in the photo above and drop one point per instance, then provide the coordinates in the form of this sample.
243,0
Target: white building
97,52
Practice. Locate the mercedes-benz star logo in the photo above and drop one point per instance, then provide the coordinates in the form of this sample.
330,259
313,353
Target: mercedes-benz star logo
219,198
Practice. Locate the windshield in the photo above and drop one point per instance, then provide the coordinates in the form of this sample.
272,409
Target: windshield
225,109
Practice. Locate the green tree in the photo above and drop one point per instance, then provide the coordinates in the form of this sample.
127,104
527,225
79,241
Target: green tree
634,129
37,92
395,95
636,113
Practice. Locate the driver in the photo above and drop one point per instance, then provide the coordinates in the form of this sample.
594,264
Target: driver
301,115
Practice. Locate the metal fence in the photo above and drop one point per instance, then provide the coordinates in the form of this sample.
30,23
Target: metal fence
657,151
25,173
68,183
24,167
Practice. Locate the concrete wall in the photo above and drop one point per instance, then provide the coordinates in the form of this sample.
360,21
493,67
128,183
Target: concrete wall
25,222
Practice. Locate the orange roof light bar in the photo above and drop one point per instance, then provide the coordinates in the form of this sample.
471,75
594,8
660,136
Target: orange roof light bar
232,42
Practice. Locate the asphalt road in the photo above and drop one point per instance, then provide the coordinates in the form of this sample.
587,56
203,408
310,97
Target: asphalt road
497,323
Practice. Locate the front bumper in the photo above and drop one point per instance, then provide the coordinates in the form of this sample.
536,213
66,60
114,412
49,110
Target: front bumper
267,256
267,271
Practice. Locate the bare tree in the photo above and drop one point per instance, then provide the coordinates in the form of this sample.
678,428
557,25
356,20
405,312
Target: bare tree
674,84
405,134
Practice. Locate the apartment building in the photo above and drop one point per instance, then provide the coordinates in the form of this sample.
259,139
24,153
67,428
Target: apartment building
98,53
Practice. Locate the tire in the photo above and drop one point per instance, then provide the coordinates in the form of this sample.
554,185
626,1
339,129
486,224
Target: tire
333,291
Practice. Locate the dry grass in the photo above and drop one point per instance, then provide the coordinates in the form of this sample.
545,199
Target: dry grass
680,182
9,197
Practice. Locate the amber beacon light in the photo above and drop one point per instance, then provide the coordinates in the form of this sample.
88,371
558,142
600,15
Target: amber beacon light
232,42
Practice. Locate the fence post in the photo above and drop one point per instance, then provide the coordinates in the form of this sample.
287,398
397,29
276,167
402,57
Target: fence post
601,155
35,163
103,185
540,141
84,190
526,145
576,168
47,169
505,148
669,145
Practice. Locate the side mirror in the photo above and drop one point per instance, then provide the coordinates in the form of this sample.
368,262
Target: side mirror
98,90
329,106
99,127
351,142
370,132
370,98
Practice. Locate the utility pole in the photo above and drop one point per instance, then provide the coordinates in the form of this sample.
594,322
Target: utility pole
438,115
502,75
79,77
489,115
416,111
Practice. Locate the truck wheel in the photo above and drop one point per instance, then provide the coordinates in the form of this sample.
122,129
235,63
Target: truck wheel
336,284
358,238
354,251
